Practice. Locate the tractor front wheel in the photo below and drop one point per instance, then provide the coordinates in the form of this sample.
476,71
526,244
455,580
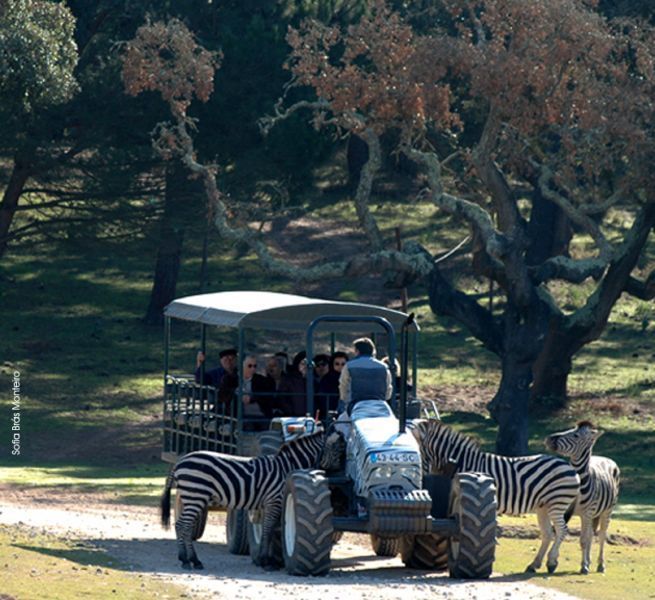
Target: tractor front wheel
473,506
307,531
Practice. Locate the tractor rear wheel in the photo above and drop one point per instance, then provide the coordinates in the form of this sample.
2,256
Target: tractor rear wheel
428,551
385,546
236,531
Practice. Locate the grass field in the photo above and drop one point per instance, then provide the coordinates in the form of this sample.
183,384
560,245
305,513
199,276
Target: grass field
90,374
36,566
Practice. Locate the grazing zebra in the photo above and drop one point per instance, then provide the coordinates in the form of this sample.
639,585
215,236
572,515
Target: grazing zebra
546,485
240,483
599,486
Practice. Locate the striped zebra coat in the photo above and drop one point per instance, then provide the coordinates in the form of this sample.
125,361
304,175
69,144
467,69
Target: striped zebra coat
238,483
599,486
545,485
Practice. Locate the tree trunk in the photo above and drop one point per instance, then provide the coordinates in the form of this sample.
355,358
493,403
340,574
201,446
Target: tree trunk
169,253
509,407
19,176
550,380
357,157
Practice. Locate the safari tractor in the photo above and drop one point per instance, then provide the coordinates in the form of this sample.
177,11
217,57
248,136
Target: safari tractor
434,521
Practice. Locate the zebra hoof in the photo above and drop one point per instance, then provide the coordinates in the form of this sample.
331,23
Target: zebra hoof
198,566
584,571
552,568
530,569
186,566
601,568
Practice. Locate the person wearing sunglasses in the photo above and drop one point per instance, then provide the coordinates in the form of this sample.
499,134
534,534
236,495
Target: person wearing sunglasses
257,391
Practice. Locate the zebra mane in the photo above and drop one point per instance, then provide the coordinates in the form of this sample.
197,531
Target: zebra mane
303,440
589,424
435,426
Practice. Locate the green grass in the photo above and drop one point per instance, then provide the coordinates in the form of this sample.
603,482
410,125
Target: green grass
630,564
140,484
35,566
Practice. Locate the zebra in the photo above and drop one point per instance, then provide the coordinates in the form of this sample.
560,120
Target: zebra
543,484
599,486
238,482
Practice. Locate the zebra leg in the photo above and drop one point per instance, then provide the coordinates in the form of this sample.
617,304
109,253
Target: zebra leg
559,523
586,536
270,559
603,524
546,537
184,527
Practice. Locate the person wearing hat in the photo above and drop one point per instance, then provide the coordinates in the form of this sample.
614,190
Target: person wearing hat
228,366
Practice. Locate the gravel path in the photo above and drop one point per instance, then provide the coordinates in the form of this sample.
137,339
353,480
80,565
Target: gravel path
133,536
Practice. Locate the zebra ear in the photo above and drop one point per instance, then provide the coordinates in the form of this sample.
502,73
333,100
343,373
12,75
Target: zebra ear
597,433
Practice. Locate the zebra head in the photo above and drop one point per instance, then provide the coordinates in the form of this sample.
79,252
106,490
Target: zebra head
440,445
575,442
334,452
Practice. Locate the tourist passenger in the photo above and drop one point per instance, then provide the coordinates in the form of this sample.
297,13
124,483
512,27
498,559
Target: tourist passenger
296,386
324,388
276,367
257,391
228,366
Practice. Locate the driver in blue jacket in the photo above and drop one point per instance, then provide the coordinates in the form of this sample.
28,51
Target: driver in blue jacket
364,377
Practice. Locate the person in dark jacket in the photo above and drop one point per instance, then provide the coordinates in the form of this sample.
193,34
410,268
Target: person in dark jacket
364,377
257,394
214,377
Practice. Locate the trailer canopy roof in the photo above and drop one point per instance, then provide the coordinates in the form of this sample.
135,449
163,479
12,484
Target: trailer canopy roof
272,310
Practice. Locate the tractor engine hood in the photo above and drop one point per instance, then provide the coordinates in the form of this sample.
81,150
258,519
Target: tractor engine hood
379,456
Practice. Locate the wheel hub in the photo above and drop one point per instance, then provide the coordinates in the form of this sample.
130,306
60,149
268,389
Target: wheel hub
289,525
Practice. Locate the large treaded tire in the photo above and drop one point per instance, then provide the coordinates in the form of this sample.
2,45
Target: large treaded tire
201,523
236,531
428,551
473,506
385,546
307,523
255,538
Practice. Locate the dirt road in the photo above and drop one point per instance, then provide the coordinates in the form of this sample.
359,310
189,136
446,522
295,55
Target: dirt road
134,537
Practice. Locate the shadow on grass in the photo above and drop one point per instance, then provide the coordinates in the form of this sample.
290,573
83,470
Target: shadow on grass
88,556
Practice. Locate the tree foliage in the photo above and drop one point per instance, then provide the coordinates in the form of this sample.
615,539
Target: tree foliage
561,101
38,55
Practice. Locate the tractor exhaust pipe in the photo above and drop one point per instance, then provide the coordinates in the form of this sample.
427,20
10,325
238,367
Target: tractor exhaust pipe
404,359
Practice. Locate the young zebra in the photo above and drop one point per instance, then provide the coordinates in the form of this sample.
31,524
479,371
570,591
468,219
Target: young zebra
241,483
599,486
546,485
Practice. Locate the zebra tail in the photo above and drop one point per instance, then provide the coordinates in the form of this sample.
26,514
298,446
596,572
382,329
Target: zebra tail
165,503
569,512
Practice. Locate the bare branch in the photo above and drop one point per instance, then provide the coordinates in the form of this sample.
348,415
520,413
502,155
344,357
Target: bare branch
568,269
644,290
364,188
280,114
495,243
573,213
593,315
413,264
